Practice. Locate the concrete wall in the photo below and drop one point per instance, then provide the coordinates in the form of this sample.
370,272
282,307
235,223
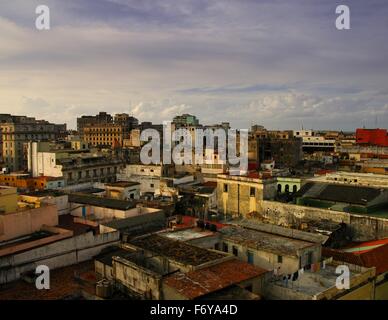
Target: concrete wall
238,199
25,222
269,260
364,227
138,279
8,199
56,255
101,213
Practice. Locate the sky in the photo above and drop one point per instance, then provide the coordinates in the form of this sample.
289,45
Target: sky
278,63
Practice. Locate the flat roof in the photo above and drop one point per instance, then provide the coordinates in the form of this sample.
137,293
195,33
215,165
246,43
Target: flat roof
178,251
44,193
339,193
187,234
200,282
265,241
314,283
123,184
101,202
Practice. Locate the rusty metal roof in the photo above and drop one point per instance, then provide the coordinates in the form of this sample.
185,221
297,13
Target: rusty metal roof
207,280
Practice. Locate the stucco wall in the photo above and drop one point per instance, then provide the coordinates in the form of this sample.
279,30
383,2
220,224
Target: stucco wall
364,227
25,222
55,255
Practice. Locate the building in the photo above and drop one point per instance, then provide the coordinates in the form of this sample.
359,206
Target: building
198,200
342,197
241,195
235,279
353,179
126,121
101,118
320,284
185,120
102,209
312,142
24,181
8,199
376,137
123,190
74,166
105,134
278,146
289,184
368,255
44,239
16,134
149,176
268,250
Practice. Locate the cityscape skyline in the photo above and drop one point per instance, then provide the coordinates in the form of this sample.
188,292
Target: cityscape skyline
278,64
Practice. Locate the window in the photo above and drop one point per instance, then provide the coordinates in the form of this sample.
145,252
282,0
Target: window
294,188
151,185
252,192
280,259
250,257
235,251
225,247
217,246
225,187
309,258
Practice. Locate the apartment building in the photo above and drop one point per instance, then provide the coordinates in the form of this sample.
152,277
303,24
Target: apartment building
105,134
75,166
241,195
17,131
101,118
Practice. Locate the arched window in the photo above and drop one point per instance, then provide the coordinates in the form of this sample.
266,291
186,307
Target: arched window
294,188
287,189
279,188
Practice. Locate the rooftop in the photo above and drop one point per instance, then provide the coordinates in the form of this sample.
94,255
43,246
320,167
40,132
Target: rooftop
339,193
264,241
187,234
315,283
374,257
123,184
207,280
281,231
101,202
178,251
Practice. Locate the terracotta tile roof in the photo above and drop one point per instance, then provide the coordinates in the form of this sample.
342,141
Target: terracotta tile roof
203,281
377,257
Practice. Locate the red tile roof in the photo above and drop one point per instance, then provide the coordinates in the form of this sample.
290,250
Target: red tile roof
373,258
203,281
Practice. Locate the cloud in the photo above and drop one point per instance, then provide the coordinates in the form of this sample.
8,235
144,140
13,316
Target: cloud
275,62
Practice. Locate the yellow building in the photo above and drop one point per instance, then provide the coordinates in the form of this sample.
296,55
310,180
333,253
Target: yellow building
105,134
8,199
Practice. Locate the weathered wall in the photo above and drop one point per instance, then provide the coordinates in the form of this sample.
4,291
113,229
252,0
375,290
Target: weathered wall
364,227
55,255
24,222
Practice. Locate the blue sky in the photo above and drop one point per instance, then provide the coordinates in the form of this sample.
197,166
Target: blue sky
282,64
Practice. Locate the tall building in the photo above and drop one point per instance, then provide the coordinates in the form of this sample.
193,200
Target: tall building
105,134
101,118
16,131
185,120
126,121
